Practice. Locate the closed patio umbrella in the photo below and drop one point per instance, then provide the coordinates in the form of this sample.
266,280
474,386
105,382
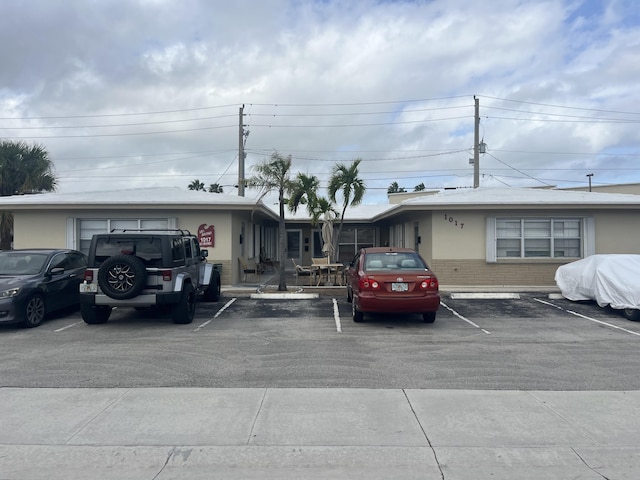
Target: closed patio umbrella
327,239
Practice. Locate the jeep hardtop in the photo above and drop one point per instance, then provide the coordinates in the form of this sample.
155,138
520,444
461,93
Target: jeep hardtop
145,268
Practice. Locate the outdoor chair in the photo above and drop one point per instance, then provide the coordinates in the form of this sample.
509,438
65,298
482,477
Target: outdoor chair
302,271
329,271
250,267
264,260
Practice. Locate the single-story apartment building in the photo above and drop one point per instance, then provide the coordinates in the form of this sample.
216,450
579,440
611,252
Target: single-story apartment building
483,236
512,236
228,226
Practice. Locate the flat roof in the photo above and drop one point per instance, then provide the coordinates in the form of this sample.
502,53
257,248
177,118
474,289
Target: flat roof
476,198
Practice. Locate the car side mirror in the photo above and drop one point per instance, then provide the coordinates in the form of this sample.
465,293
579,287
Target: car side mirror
56,271
204,253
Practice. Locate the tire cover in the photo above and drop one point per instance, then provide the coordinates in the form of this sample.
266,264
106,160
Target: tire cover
122,276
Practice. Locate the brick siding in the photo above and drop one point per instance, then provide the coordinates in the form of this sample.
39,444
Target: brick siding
479,272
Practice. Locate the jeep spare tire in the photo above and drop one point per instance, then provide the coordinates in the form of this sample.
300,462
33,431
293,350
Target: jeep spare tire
122,276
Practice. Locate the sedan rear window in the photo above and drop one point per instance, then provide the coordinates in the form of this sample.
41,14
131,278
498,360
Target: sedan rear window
393,261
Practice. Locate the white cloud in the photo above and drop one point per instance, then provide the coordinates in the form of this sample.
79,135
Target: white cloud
324,81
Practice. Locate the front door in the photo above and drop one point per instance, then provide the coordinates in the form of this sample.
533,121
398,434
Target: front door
294,247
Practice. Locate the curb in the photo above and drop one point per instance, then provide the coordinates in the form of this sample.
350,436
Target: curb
284,295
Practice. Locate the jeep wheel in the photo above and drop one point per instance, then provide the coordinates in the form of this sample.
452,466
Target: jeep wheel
122,276
212,292
94,315
185,310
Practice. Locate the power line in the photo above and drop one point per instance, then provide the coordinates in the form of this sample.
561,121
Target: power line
160,112
355,153
559,115
560,106
160,122
388,102
517,170
97,135
361,124
305,105
333,114
367,159
549,120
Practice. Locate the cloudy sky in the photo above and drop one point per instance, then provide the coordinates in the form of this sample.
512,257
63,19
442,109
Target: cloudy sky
147,93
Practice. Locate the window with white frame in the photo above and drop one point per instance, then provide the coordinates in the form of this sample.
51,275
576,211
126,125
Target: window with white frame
538,238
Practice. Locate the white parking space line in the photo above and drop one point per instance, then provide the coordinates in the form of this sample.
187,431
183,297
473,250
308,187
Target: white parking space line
336,316
224,307
465,319
548,303
68,326
588,318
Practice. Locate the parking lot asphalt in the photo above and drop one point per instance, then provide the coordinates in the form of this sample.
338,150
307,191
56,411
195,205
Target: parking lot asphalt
339,433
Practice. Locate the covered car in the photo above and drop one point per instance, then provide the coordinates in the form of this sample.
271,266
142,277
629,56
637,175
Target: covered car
610,279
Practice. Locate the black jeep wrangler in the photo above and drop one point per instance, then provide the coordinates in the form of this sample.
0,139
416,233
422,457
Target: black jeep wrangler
138,268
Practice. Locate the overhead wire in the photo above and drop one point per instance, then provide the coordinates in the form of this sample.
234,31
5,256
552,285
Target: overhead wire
558,106
559,117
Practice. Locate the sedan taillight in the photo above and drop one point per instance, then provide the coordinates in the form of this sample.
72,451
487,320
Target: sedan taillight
430,283
367,283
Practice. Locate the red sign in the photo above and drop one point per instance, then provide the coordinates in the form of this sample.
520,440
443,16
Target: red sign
206,235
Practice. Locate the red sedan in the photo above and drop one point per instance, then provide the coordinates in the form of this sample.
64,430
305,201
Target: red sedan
391,280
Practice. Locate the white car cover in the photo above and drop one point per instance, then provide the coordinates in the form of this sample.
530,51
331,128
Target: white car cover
611,279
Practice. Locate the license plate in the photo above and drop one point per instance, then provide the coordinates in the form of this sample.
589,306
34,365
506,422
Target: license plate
399,287
88,288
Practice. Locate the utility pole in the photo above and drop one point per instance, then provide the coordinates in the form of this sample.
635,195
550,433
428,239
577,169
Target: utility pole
241,154
476,145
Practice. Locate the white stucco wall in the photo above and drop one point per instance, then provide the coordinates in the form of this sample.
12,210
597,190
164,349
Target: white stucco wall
617,232
458,234
40,230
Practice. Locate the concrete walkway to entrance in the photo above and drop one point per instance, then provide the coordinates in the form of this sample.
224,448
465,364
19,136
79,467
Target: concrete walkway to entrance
202,433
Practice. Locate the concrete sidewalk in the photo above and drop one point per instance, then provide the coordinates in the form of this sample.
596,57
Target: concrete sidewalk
199,433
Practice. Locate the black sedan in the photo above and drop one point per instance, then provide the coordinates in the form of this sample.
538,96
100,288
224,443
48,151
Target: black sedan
38,281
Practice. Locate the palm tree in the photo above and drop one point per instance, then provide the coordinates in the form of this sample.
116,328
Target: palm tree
196,185
395,188
215,188
273,176
305,192
322,210
344,179
23,169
